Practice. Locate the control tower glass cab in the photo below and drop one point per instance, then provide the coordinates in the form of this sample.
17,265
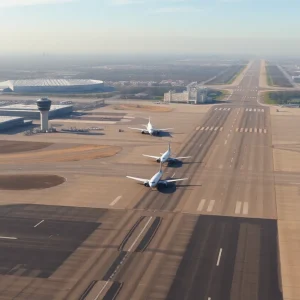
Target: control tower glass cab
44,105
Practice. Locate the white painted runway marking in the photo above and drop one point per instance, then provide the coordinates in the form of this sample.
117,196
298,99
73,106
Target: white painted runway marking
254,109
219,257
250,130
216,128
173,175
246,129
36,225
245,208
101,290
265,130
236,130
198,128
201,205
242,130
206,128
255,130
250,109
144,228
115,201
211,128
260,130
8,237
238,207
221,129
211,205
225,142
202,128
232,160
262,110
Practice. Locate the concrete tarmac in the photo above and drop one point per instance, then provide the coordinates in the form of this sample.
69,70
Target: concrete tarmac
213,237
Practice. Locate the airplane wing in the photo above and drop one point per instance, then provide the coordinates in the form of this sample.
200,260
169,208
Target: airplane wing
140,129
163,129
172,180
181,157
156,157
138,179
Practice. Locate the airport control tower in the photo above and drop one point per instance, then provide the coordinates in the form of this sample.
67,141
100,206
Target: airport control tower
44,105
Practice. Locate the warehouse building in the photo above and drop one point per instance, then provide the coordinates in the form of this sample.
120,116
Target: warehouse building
48,86
32,112
193,95
7,122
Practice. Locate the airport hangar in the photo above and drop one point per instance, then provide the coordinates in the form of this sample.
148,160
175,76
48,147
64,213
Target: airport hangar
8,122
53,86
32,111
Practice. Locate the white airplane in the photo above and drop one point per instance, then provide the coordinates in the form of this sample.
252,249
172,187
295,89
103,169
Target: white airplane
150,129
156,180
166,157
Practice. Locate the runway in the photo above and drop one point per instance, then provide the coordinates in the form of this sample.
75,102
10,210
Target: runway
213,237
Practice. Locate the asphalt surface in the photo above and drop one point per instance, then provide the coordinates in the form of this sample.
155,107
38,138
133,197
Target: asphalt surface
212,238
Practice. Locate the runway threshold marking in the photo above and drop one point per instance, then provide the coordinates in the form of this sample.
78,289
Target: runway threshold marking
211,205
8,237
144,228
201,205
115,201
238,207
219,257
36,225
245,208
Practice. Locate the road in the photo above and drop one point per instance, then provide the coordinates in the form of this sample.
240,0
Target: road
212,238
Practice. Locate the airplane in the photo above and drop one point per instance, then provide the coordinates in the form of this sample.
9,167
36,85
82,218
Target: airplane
149,129
166,157
156,180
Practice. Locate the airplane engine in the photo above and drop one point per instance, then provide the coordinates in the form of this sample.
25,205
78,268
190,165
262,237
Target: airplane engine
158,160
143,132
146,184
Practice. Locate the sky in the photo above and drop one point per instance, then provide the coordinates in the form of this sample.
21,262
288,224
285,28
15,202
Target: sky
256,27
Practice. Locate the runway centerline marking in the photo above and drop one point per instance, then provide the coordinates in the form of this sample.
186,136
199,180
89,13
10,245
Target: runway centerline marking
101,290
219,257
211,205
201,205
238,207
36,225
144,228
8,237
115,201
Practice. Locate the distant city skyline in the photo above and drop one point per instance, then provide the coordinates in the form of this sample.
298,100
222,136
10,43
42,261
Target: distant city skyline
150,26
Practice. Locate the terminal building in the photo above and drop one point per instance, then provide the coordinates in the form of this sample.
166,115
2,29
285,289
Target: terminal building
32,111
7,122
193,95
48,86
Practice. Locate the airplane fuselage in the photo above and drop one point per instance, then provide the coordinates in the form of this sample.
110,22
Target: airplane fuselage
165,157
155,179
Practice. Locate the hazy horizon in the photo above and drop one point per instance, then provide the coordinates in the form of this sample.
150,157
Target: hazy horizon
77,27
